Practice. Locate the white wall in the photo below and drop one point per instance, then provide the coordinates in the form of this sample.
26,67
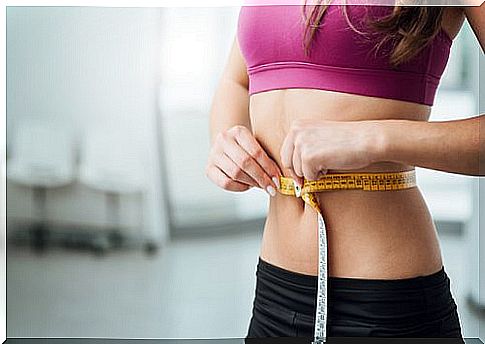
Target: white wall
88,68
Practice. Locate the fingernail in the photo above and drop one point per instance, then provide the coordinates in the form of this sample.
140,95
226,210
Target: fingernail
276,181
271,190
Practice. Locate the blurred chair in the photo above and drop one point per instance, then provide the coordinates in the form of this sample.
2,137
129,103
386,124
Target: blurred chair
42,158
111,165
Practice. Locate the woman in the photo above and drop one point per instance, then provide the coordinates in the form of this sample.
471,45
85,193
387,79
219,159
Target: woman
316,90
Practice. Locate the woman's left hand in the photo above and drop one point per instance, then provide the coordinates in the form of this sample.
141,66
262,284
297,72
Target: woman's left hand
312,147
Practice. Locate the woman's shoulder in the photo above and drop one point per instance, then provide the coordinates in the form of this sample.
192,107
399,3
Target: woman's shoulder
453,18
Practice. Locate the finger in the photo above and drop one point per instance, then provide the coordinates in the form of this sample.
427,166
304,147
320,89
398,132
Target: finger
297,163
249,143
246,163
233,171
319,174
286,153
223,181
309,172
288,158
267,166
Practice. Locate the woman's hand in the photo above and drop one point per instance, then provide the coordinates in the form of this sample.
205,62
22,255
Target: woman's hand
237,162
312,147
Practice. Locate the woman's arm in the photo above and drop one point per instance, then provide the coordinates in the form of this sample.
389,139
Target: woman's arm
452,146
313,147
476,18
236,160
230,105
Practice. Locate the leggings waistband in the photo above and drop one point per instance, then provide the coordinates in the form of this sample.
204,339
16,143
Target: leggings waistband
310,281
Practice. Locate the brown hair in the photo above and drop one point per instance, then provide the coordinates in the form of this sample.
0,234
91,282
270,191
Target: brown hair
409,27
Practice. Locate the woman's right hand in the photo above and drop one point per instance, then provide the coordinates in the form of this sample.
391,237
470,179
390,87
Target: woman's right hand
237,162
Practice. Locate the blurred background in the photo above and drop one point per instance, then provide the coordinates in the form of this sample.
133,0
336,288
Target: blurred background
113,229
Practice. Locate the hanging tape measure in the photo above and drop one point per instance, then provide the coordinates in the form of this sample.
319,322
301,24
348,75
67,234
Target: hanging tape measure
382,181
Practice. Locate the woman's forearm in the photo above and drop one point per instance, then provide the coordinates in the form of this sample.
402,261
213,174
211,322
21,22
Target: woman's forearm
451,146
230,107
236,160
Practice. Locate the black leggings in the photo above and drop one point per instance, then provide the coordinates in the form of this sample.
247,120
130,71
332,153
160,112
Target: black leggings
285,303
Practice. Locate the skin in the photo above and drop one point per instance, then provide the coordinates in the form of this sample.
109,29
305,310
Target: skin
304,133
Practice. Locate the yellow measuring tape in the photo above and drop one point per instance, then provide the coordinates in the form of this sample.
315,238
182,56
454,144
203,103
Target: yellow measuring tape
381,181
348,181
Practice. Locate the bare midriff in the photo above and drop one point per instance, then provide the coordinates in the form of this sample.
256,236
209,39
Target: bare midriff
376,235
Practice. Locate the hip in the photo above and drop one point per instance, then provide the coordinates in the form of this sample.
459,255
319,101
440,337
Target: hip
370,235
285,301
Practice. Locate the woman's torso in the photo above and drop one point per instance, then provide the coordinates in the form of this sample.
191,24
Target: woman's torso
370,235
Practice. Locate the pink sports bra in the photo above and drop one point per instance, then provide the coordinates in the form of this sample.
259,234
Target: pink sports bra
341,60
